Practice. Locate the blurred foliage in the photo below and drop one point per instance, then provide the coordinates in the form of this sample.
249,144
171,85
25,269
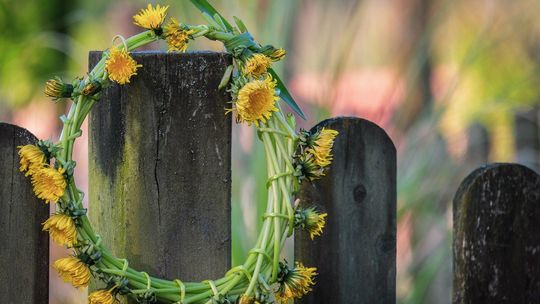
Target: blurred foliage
32,45
451,66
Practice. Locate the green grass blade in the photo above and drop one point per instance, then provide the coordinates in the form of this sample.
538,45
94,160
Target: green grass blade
240,24
211,20
285,95
207,8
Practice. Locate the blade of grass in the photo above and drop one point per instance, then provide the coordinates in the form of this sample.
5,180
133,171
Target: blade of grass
285,95
207,8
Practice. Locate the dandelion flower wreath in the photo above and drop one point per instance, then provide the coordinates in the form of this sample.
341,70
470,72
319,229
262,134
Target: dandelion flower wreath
256,92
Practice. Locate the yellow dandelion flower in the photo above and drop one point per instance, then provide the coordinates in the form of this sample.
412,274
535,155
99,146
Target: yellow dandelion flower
57,89
32,158
177,39
278,54
74,271
256,101
151,18
322,147
102,296
315,224
311,220
120,66
49,184
62,230
294,283
257,65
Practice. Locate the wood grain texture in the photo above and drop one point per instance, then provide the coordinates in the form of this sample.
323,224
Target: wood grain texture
356,254
497,236
160,166
24,253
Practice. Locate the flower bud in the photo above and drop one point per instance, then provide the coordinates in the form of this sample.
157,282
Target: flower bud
91,88
56,89
278,54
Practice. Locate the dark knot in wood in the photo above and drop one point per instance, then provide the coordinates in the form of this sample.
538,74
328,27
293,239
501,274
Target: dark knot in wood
359,193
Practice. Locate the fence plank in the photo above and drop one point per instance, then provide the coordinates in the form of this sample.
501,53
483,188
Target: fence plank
356,255
497,236
160,165
24,253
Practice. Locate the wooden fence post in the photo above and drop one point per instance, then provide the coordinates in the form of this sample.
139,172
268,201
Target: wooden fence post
356,254
24,253
497,236
160,166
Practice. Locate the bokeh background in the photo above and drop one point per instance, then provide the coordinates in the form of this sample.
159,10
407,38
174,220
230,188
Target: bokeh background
454,82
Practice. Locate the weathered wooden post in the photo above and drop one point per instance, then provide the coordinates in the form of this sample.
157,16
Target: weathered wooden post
160,165
356,254
497,236
24,253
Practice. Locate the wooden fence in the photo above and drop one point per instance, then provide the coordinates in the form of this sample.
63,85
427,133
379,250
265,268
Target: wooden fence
24,248
160,163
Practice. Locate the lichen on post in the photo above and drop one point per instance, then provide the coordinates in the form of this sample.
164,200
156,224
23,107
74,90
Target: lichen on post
160,158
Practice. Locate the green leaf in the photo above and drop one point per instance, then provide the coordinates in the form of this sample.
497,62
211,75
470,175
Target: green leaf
226,77
207,8
220,21
285,95
241,26
244,39
211,21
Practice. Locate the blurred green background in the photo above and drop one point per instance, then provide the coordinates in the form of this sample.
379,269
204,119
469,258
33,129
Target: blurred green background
454,82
